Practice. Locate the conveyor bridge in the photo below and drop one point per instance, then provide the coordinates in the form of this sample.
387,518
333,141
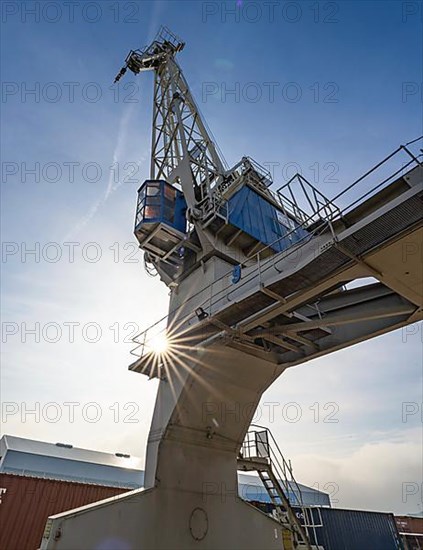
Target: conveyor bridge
300,303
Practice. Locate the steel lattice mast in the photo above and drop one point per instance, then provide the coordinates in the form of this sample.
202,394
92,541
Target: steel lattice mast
182,150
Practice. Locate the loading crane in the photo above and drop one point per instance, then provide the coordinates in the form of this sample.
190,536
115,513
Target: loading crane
188,209
260,280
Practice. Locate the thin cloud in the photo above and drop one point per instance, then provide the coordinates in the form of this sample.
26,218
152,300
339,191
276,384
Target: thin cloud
112,186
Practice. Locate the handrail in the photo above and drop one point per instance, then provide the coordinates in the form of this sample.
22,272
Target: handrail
378,186
290,487
294,247
342,212
285,466
209,302
401,147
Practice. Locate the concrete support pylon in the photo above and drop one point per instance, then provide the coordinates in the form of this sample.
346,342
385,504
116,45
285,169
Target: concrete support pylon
202,414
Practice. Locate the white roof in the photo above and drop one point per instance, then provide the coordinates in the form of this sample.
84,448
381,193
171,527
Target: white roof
31,446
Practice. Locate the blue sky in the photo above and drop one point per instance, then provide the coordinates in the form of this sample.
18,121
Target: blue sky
347,80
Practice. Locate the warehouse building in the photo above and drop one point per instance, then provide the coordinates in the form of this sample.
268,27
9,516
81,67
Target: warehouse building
26,503
65,462
39,479
411,531
68,463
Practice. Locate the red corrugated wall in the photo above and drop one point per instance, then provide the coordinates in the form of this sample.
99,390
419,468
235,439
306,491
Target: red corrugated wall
407,524
29,501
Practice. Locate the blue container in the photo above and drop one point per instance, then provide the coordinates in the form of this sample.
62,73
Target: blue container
160,202
258,217
337,529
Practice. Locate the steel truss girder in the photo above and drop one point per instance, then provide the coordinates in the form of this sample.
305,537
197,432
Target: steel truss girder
182,150
352,316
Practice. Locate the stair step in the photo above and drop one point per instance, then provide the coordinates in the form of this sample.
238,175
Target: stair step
277,489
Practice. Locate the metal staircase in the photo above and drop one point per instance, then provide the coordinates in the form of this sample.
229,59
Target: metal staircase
261,453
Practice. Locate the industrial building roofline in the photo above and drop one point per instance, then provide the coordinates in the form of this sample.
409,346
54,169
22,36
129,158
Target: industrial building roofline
66,451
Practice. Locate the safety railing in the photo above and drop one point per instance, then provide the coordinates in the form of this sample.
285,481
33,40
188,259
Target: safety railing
250,172
258,267
153,339
306,202
212,208
383,173
334,212
182,323
259,443
165,35
260,173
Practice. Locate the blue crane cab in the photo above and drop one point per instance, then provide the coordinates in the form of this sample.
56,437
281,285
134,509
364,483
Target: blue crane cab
160,223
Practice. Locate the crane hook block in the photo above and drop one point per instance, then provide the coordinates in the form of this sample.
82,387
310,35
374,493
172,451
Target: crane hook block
120,74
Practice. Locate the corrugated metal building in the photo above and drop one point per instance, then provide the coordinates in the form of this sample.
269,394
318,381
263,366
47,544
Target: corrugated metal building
411,530
63,461
27,502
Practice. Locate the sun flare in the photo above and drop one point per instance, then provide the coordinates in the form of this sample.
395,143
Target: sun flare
159,344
